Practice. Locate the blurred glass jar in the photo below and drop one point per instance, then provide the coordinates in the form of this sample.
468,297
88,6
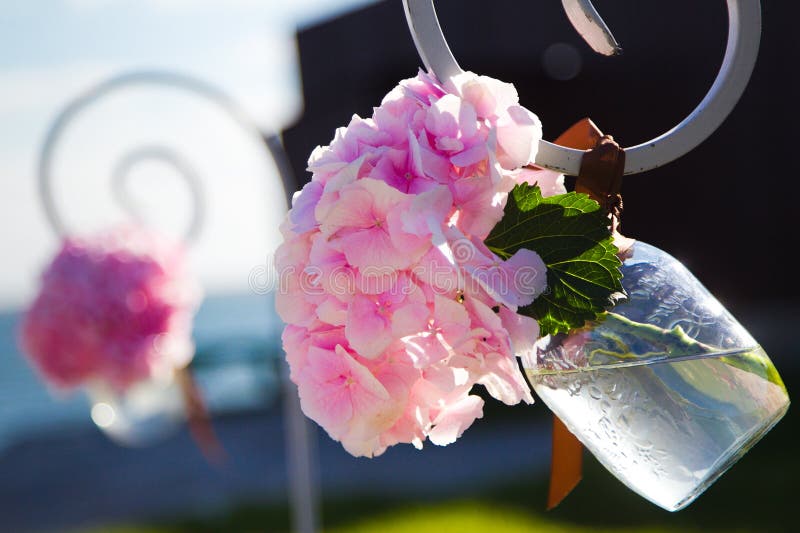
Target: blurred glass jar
668,390
144,413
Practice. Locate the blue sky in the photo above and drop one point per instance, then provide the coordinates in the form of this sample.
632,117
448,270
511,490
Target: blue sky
51,50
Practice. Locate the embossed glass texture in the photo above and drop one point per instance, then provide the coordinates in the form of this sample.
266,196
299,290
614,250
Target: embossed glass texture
668,391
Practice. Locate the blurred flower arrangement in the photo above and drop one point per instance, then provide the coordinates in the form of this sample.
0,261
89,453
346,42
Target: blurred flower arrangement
113,309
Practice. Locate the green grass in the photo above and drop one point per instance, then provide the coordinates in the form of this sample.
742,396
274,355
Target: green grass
465,516
454,516
757,495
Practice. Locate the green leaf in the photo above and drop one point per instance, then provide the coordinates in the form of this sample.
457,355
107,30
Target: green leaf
572,235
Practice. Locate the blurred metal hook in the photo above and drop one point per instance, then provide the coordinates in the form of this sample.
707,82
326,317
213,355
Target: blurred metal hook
121,175
161,153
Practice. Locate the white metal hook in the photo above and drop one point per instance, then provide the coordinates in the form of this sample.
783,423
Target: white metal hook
744,33
590,25
164,154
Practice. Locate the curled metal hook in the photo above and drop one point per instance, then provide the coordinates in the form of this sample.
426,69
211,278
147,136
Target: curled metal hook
744,34
160,153
590,25
120,177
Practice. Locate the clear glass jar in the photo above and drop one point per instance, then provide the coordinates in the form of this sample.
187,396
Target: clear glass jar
668,390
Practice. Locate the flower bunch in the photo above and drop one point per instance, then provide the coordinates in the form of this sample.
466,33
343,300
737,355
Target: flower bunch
394,306
115,308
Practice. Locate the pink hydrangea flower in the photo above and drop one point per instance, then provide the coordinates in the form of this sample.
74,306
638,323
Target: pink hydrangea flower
395,308
114,308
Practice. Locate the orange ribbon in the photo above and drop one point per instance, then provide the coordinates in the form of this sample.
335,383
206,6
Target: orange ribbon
199,419
601,178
